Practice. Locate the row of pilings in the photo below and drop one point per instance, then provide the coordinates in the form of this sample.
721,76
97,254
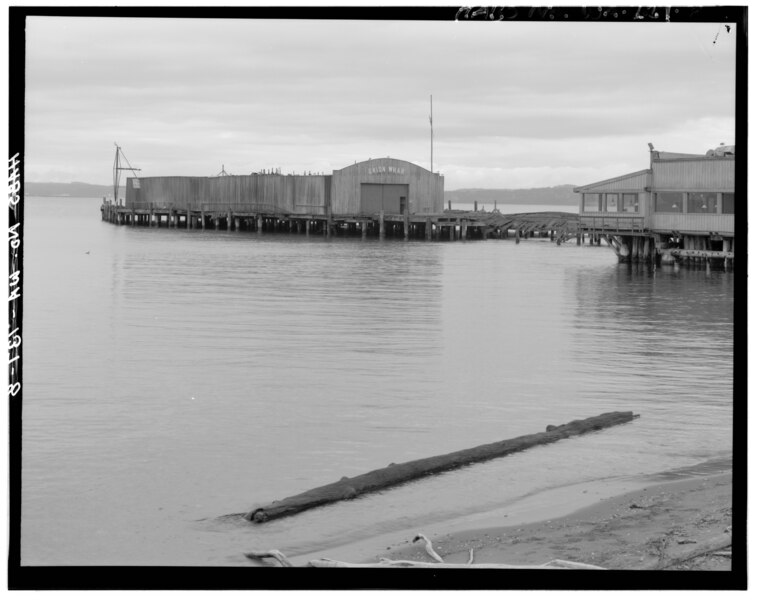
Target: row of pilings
697,251
455,225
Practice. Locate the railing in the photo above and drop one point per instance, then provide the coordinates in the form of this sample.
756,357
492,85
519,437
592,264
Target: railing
613,223
247,207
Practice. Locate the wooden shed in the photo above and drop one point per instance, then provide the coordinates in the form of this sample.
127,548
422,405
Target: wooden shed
386,184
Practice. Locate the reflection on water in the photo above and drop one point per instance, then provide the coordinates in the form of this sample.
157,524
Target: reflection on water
183,375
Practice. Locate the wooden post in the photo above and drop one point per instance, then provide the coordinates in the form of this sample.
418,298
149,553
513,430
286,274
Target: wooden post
579,237
517,235
236,223
452,232
202,219
228,221
475,206
215,223
364,228
307,227
260,224
429,228
133,215
382,227
464,229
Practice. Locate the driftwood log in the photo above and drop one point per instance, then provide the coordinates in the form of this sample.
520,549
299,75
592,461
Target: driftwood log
348,488
385,563
414,564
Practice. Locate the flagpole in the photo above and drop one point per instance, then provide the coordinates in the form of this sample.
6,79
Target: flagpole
431,122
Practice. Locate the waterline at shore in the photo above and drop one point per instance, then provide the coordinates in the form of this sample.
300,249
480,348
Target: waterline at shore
610,523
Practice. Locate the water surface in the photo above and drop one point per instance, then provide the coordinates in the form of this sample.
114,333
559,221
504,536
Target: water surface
173,378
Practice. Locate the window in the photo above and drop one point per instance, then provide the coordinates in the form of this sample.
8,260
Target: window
669,202
591,202
630,203
702,202
611,201
728,199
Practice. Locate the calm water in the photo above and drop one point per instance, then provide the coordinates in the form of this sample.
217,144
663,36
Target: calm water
172,378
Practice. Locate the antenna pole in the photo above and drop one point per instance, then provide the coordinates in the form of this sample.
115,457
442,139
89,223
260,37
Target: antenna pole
116,175
431,122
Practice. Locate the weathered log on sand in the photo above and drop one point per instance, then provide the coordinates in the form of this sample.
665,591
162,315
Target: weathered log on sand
348,488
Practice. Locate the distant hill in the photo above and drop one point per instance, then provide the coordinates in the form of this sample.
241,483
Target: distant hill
560,194
75,189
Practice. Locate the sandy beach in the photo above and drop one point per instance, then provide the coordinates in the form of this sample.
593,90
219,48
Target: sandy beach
629,524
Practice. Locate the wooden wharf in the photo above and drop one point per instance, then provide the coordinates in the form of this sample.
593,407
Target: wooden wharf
448,225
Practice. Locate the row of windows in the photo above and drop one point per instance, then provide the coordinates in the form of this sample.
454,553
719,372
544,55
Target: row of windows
625,203
694,202
675,202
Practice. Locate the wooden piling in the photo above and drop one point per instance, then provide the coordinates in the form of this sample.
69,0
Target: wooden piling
382,226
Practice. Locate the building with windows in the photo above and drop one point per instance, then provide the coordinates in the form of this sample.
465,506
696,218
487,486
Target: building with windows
681,206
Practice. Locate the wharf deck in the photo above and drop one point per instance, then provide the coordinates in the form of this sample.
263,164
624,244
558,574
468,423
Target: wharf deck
450,224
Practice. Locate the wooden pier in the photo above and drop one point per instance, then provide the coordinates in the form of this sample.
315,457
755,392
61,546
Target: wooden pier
449,225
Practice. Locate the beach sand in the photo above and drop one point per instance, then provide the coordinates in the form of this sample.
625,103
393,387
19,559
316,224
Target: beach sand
615,524
627,531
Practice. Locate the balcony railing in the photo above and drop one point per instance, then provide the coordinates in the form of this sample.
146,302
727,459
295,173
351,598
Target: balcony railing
617,223
209,207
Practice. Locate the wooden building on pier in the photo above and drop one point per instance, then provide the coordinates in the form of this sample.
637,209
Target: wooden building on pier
680,208
363,189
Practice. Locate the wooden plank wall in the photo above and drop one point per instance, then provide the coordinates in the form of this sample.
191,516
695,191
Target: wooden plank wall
691,175
686,222
301,194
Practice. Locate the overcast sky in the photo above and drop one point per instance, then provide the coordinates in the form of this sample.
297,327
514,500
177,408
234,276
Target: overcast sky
515,104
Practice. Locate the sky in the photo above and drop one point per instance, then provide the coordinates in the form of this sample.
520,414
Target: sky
515,104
